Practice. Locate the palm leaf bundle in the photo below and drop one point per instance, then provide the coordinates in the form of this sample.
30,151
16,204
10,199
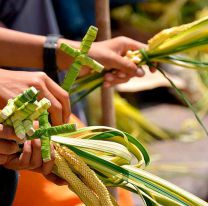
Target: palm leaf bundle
97,157
170,46
93,157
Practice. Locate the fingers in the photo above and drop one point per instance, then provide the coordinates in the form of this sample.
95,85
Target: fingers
8,133
62,96
18,162
59,109
56,108
125,66
30,158
131,44
36,158
3,159
111,79
119,46
24,159
118,77
8,147
118,62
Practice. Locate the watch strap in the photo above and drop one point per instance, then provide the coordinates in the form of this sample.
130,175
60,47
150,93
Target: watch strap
49,56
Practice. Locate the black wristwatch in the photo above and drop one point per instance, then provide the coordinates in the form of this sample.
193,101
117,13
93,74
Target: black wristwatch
49,56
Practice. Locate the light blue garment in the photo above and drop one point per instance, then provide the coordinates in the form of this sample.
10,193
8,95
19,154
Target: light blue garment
37,17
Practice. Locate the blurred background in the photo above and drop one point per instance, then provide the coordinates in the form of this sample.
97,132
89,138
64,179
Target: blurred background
180,155
148,107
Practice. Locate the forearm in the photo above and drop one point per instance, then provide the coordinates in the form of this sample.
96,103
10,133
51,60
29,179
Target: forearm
20,49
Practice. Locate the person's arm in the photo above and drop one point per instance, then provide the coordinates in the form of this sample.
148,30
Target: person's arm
20,49
26,50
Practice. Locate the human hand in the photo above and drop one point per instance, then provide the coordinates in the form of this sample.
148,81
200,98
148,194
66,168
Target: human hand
8,143
30,159
110,53
14,82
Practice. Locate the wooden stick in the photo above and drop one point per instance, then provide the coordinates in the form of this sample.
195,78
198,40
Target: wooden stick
102,9
104,32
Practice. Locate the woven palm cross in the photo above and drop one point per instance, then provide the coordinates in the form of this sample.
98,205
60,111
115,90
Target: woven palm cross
81,58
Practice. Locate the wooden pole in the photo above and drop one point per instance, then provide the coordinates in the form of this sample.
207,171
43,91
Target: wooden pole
102,9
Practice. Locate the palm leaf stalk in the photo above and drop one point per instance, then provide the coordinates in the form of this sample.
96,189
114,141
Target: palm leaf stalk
45,138
111,169
169,46
164,46
108,152
102,156
18,101
111,151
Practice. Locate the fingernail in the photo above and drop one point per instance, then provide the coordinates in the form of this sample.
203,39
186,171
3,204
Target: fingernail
140,72
27,143
110,78
121,75
153,69
107,84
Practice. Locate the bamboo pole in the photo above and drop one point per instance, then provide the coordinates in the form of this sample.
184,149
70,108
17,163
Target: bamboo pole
104,32
102,9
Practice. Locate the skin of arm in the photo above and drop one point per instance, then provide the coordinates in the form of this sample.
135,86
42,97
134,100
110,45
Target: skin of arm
26,50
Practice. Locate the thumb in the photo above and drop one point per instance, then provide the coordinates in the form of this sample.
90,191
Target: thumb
8,133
